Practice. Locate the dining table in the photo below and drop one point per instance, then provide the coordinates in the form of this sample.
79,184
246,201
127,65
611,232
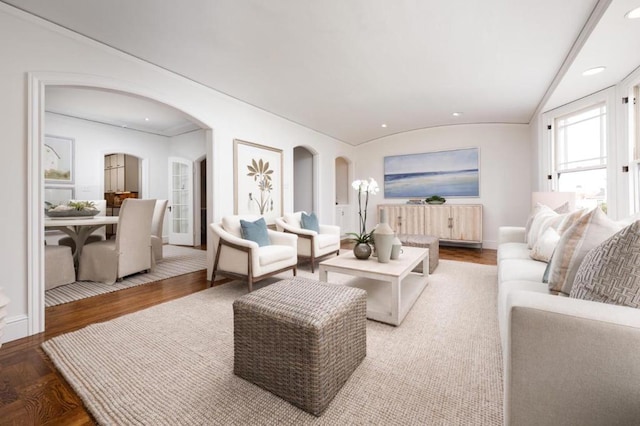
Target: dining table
78,228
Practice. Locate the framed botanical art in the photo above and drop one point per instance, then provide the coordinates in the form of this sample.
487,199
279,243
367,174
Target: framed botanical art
453,173
57,159
257,180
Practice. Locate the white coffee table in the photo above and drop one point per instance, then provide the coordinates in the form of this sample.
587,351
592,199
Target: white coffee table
392,288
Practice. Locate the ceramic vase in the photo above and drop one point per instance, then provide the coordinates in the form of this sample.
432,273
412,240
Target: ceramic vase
396,247
362,251
383,239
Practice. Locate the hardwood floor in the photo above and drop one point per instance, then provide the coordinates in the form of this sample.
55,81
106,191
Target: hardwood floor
32,392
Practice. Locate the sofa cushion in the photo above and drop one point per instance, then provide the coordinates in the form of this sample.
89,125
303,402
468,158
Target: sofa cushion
521,269
309,221
545,245
610,273
513,251
255,231
588,232
275,253
326,240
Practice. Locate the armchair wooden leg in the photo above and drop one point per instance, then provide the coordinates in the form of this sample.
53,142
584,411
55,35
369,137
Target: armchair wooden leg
215,263
295,271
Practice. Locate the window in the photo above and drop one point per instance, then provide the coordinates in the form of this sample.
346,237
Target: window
581,155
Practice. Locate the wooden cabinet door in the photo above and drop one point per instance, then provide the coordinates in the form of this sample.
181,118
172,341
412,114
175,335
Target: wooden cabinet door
119,173
413,220
467,222
437,221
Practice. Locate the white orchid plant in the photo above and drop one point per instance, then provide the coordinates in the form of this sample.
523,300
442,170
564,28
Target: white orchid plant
364,188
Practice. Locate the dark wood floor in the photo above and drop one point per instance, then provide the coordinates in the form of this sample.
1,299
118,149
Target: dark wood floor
32,392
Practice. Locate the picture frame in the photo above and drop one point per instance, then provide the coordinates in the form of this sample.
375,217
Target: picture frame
58,194
58,159
450,173
257,180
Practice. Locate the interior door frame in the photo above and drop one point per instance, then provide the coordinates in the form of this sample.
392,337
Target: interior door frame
190,203
34,322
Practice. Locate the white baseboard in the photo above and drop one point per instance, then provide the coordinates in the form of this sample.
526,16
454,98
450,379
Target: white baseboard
15,328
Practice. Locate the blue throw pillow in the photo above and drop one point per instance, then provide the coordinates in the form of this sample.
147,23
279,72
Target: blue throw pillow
310,222
255,231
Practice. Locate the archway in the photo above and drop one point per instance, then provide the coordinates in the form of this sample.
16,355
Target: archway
304,179
38,82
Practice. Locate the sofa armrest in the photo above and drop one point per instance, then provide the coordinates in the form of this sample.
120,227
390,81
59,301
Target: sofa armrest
511,234
283,238
569,361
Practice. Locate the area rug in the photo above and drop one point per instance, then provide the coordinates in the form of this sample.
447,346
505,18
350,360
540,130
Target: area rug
173,363
177,261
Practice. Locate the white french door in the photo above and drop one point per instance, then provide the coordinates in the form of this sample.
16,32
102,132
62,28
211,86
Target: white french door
180,201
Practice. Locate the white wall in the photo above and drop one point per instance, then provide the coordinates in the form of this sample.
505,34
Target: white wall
505,168
30,45
94,140
190,146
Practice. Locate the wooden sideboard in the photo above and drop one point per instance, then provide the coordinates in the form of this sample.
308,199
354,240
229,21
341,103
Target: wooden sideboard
460,223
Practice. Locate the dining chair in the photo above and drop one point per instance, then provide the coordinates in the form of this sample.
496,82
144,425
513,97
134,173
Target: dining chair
130,252
58,266
313,244
97,235
157,225
242,258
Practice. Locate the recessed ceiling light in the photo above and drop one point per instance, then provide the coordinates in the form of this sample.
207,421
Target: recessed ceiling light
633,14
146,119
384,125
593,71
457,114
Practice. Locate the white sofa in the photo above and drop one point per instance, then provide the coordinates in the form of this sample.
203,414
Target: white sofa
566,361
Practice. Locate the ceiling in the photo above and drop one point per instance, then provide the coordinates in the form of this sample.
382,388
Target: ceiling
345,68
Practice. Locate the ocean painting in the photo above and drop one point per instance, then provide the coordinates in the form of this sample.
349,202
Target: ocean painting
452,173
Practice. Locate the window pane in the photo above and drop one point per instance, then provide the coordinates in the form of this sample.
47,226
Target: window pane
581,140
590,187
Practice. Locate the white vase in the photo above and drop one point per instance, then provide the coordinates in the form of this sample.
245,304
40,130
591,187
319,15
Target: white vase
396,247
383,239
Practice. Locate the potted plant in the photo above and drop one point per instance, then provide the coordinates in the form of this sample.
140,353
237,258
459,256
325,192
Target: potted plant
363,239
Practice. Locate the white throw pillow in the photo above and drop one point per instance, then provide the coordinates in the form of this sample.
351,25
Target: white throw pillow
545,245
538,224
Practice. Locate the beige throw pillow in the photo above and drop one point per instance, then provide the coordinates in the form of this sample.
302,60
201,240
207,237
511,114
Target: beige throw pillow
545,245
610,273
588,232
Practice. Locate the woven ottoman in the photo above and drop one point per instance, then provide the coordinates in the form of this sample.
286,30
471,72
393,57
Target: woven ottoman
423,241
300,339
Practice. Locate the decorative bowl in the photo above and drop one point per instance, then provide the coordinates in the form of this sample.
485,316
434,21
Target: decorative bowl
72,213
436,202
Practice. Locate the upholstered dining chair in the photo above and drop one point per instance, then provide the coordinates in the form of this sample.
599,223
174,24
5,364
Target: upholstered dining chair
130,252
58,266
313,244
237,257
157,224
97,235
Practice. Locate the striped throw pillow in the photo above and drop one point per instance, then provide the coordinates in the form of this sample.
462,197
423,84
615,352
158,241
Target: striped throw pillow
586,233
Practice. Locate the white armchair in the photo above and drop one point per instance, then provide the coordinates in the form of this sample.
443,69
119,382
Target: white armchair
236,257
312,245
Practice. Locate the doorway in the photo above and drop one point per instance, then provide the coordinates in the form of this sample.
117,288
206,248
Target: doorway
38,83
303,180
